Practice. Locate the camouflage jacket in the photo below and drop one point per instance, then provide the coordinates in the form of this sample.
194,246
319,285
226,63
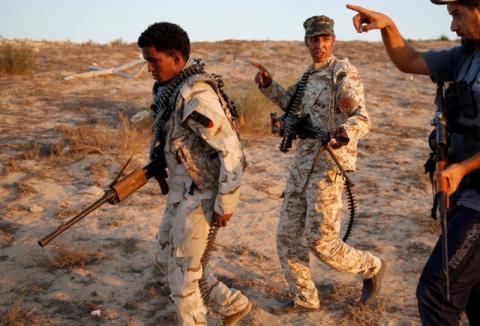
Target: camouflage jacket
340,79
202,148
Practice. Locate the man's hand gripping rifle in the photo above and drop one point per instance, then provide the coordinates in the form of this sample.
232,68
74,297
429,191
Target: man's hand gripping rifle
301,127
120,189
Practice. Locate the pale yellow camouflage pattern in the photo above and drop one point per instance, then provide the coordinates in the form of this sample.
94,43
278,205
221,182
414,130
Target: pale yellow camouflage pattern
192,146
311,222
316,103
184,228
182,237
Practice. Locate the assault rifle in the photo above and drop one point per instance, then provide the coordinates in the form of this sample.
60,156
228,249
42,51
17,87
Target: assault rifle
440,155
302,127
120,189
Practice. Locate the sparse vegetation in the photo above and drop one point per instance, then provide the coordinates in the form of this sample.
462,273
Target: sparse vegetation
102,139
118,42
94,141
7,231
64,256
88,139
25,189
255,109
130,245
16,59
16,315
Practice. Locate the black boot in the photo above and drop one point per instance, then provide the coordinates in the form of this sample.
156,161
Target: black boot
371,286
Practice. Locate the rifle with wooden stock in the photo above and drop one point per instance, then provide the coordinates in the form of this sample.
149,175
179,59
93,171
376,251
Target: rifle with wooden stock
120,189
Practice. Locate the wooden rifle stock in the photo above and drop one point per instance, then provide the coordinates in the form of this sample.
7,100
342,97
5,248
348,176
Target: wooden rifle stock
118,191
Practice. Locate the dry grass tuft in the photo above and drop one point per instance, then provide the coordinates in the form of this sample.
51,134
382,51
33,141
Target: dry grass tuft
88,139
154,289
130,245
102,139
16,315
63,256
16,59
36,150
255,109
127,245
25,189
99,173
7,231
117,42
64,210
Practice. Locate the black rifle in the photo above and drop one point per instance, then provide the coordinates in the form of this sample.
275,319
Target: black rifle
440,155
120,189
302,127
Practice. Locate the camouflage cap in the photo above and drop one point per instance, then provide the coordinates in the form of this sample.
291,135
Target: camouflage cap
318,25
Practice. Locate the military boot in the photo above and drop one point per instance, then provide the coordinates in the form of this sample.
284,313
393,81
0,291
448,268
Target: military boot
371,286
232,320
291,307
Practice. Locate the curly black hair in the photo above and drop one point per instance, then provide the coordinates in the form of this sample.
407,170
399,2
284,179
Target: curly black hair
166,37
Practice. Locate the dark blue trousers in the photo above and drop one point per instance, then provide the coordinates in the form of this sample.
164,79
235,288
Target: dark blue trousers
464,272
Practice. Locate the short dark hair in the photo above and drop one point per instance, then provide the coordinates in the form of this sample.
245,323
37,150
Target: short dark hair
166,37
470,4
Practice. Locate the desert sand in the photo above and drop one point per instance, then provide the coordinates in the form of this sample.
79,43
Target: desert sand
62,142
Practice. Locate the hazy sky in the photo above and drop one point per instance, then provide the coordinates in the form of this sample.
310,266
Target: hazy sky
208,20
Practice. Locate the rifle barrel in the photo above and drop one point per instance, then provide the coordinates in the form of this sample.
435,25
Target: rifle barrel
442,204
108,196
441,191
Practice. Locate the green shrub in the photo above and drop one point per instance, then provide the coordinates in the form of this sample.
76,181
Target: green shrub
16,59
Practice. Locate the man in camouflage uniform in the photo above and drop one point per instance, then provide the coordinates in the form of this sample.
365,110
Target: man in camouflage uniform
204,160
334,98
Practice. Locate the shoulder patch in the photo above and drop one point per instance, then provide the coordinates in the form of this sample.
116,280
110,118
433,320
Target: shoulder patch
201,119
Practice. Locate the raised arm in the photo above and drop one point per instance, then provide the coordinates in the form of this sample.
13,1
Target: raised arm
403,54
271,89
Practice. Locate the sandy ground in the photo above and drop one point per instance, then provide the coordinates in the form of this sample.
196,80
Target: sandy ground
62,142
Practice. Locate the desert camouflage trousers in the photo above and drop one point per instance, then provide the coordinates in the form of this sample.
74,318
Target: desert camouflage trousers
181,239
312,223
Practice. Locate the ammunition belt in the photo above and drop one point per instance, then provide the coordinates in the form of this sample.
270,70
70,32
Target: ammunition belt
202,283
292,108
164,100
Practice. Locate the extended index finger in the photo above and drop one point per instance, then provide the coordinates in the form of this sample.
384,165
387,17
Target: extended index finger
358,9
258,66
